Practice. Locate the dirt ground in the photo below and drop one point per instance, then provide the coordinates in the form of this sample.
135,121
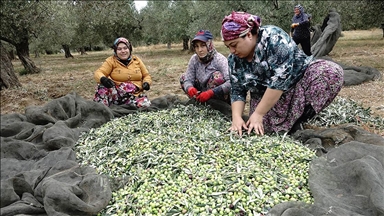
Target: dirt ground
355,48
365,53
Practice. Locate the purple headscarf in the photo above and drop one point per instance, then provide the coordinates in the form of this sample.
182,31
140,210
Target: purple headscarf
300,17
238,24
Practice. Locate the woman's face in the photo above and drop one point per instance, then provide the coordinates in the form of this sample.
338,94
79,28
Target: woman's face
242,47
201,48
122,51
296,11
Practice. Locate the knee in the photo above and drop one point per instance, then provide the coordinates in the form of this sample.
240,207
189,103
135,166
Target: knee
216,79
182,80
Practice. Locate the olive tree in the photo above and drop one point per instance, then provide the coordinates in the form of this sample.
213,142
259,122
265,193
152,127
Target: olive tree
166,21
107,20
79,25
157,22
8,78
21,20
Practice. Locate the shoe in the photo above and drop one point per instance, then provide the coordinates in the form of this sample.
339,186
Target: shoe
296,127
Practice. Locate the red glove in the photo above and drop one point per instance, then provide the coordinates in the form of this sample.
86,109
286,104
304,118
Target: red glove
204,96
192,91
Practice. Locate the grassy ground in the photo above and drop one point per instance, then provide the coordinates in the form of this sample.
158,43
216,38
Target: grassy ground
61,76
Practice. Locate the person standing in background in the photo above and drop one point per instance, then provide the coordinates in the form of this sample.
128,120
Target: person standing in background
300,29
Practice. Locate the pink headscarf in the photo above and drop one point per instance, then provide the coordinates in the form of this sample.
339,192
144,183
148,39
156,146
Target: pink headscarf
238,24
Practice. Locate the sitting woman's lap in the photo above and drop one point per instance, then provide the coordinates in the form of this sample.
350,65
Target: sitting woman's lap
119,95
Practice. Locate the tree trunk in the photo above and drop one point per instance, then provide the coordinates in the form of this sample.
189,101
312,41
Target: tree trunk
37,55
382,26
191,48
82,51
185,43
11,55
8,78
169,45
22,51
67,51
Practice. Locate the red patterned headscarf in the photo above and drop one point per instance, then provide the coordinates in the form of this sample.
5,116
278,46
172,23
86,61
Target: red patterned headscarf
238,24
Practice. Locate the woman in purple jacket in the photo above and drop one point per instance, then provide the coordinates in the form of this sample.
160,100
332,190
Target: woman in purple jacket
207,72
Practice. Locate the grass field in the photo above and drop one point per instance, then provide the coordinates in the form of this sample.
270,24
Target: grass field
61,76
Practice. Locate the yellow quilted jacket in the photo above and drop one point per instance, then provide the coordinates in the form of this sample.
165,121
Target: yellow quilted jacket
135,71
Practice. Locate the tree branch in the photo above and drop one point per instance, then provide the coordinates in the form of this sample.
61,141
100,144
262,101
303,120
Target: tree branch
8,40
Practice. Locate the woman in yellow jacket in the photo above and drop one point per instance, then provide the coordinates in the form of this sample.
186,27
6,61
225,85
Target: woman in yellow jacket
122,78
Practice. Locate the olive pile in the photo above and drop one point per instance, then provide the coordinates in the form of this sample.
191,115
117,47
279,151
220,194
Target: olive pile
183,161
343,111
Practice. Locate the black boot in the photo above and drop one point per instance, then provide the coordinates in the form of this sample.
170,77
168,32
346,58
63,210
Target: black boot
308,113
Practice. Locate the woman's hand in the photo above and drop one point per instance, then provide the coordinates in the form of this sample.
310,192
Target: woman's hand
146,86
237,120
237,125
108,83
255,122
269,99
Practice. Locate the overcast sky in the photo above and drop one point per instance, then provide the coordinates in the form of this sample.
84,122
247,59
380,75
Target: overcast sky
140,4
